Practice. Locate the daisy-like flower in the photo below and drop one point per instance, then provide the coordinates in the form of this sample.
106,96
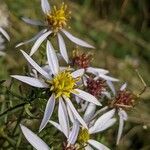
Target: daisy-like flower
56,20
33,139
60,83
83,135
102,123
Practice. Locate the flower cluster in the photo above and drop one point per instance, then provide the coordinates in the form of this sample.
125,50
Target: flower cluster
85,96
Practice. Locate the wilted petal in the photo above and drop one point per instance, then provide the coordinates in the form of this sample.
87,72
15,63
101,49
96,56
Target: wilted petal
32,39
123,87
35,65
33,139
86,96
74,133
39,42
32,22
74,111
77,40
56,125
97,145
63,117
52,58
48,111
89,112
78,73
5,34
31,81
62,48
45,6
101,121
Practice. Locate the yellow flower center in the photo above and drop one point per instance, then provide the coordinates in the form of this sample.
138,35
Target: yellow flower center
63,84
83,136
58,18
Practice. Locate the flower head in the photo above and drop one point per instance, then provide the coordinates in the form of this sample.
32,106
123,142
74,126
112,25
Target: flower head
57,18
63,84
83,136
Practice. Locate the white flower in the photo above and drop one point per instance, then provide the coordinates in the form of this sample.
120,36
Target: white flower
56,20
61,85
33,139
102,123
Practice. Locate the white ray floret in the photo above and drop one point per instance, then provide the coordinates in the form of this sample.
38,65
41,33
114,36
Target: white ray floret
33,139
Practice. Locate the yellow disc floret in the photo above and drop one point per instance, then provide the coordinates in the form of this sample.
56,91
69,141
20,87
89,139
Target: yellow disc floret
63,84
58,18
83,136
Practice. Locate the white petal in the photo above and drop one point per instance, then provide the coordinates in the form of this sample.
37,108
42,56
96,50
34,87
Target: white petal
77,40
71,116
105,77
78,73
45,6
35,65
5,34
88,147
63,117
108,124
98,145
52,58
89,112
56,125
122,117
87,97
101,121
62,48
111,86
74,111
48,111
39,42
123,114
123,87
2,53
74,133
31,81
32,39
100,111
96,71
107,94
78,99
33,139
32,22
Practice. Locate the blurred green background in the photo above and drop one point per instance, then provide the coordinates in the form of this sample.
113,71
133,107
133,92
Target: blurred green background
120,31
